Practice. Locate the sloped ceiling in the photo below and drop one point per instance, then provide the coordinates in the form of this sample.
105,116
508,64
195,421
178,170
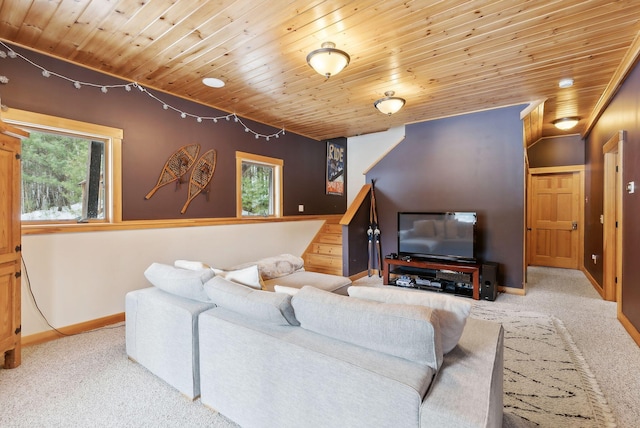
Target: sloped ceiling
444,57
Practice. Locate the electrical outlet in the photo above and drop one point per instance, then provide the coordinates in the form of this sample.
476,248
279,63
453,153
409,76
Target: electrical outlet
300,208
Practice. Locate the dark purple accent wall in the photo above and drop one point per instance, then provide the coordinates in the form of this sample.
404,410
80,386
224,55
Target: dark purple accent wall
354,241
473,162
556,151
623,113
152,134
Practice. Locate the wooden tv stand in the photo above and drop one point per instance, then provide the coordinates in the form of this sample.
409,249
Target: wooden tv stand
450,277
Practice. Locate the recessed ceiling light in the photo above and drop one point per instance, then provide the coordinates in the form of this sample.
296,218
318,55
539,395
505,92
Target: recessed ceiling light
213,82
565,83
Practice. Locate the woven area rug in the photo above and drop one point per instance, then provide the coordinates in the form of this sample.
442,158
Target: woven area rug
546,380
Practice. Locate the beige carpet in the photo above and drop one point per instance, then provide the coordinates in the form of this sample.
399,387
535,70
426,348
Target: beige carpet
87,380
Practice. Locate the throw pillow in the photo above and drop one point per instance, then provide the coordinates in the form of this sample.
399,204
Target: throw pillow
405,331
452,311
275,266
278,266
284,289
274,308
191,265
181,282
249,276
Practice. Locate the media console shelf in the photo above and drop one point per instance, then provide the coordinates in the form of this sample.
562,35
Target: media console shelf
449,277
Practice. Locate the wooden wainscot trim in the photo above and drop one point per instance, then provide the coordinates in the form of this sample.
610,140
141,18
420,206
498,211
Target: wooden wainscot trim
46,336
43,229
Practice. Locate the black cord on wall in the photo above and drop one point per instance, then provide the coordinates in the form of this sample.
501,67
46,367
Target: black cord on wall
35,302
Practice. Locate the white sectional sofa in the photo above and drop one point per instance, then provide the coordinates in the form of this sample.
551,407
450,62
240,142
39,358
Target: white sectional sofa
349,363
320,359
162,320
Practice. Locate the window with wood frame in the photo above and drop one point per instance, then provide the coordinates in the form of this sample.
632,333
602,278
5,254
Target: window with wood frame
70,170
258,185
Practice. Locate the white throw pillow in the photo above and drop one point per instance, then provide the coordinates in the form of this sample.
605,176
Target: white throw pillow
452,311
181,282
249,276
190,265
286,290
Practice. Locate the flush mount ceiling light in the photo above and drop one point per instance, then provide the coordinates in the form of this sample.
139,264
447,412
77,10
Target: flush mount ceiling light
213,82
389,104
565,83
566,123
328,60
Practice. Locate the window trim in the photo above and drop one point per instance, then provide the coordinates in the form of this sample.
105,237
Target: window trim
278,166
113,158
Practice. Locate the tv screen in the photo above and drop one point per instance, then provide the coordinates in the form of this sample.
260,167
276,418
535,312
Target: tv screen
444,235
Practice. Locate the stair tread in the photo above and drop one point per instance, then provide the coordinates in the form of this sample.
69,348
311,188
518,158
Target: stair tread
324,253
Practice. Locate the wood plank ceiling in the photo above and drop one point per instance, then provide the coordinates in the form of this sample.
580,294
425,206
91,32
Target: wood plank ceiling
444,57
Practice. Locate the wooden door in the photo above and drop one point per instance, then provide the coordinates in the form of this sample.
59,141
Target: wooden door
555,220
10,249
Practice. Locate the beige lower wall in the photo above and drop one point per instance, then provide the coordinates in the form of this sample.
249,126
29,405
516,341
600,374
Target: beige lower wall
78,277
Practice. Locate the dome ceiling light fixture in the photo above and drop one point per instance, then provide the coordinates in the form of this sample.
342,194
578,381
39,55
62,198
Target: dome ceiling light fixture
328,60
566,123
389,104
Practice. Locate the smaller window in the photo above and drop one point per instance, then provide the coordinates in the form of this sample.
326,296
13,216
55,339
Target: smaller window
258,185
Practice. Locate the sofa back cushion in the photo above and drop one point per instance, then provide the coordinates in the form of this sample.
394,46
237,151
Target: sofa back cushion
452,311
181,282
405,331
273,308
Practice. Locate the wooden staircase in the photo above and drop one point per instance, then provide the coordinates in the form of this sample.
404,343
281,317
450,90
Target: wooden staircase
324,253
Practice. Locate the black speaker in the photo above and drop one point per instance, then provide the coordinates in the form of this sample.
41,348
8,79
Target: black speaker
489,281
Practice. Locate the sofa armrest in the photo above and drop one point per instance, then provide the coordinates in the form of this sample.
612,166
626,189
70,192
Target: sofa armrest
468,389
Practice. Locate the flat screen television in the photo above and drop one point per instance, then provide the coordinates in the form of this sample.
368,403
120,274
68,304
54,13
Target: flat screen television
438,235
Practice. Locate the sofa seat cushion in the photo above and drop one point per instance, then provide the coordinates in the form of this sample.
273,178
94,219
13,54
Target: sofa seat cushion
298,279
405,331
273,308
452,311
283,377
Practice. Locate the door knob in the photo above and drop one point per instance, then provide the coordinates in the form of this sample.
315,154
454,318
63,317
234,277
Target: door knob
574,225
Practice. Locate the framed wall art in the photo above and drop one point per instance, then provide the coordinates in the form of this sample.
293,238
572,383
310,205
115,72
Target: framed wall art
335,168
